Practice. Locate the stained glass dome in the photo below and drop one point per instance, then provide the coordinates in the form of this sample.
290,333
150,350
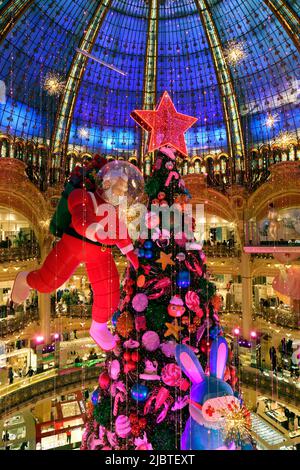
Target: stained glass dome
232,64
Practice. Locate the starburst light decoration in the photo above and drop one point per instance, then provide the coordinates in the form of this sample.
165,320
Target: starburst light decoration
236,424
54,84
271,120
235,53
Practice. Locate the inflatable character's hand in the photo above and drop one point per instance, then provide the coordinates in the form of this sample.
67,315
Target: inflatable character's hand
132,257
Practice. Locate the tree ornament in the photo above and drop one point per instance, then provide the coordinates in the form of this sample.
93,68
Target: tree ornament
180,256
95,396
150,371
183,279
161,196
171,374
148,254
140,302
129,367
131,344
169,165
165,260
150,341
123,426
173,329
176,307
135,356
148,244
168,348
115,317
140,282
104,379
216,302
125,324
192,300
139,392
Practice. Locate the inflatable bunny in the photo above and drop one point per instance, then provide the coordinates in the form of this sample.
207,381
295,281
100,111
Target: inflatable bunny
209,395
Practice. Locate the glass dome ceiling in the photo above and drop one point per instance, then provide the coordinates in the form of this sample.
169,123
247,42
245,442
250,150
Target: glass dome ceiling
182,46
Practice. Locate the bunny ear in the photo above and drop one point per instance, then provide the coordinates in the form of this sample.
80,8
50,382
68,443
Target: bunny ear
218,357
189,363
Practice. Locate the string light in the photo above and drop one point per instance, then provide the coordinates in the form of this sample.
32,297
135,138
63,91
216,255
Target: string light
284,139
235,52
54,84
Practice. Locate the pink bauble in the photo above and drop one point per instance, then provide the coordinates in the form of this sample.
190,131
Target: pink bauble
180,239
151,341
140,302
114,369
171,374
122,426
104,380
168,348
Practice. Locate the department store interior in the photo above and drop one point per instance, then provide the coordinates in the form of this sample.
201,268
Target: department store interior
232,64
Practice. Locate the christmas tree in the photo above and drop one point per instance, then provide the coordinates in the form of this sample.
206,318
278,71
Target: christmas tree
142,399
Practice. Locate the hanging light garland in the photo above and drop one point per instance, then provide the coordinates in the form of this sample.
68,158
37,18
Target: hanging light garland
235,53
54,84
284,139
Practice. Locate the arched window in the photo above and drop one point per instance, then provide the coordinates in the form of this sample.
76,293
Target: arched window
185,167
210,167
197,166
4,151
19,151
147,167
292,153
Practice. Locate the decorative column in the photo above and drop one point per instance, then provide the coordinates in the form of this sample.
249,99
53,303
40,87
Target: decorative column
44,303
246,295
288,19
44,300
10,14
225,81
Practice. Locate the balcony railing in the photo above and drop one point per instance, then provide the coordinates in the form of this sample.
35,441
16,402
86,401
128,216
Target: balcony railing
9,325
221,251
13,397
18,254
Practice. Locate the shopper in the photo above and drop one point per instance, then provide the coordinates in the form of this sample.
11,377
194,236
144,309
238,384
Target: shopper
69,434
30,372
11,375
23,446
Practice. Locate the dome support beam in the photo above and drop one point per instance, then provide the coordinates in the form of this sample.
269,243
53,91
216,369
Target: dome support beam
60,136
287,18
229,101
10,14
150,71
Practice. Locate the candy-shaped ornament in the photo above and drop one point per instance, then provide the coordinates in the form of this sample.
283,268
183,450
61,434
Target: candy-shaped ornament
122,426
